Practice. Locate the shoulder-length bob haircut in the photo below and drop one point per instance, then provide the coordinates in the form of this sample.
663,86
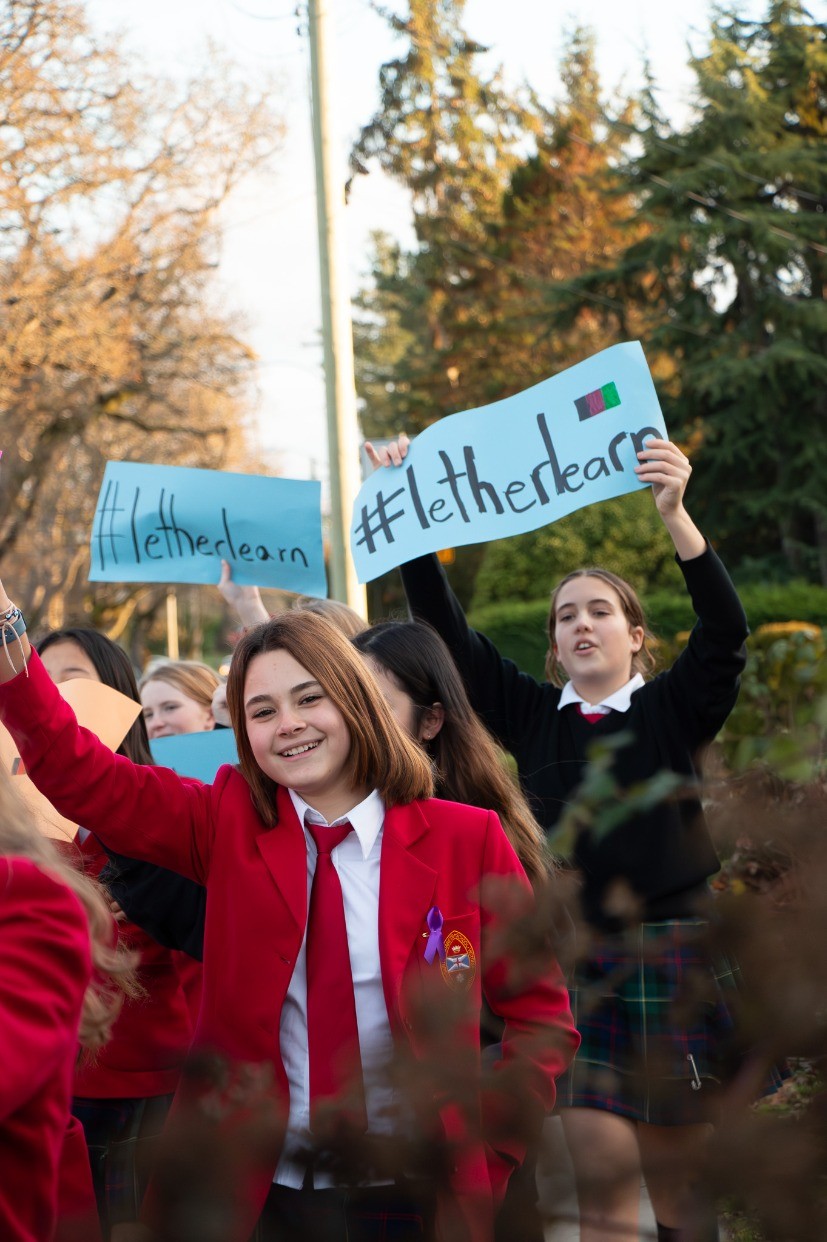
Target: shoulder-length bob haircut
381,755
643,661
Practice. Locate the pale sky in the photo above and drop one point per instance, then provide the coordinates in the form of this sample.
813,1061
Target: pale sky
269,269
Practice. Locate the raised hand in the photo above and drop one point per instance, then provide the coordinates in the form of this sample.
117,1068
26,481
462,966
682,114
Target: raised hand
666,468
662,464
392,454
246,600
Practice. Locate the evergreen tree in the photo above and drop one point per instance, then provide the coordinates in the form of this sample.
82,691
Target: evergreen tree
565,212
448,133
732,271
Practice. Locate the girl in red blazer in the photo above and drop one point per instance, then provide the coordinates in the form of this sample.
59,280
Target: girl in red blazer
122,1097
318,750
54,927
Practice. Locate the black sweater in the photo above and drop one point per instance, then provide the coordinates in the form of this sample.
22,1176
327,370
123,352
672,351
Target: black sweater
667,853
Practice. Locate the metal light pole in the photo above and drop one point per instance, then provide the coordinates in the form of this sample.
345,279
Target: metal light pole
337,330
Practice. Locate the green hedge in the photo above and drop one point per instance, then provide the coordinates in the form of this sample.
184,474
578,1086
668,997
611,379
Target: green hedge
518,630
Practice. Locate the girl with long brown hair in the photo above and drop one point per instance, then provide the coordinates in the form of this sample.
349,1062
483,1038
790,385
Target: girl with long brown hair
425,692
338,891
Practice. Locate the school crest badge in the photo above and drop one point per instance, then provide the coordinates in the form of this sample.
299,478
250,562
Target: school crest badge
459,966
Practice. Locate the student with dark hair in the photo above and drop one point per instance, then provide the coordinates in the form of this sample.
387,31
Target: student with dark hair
339,892
79,651
643,1088
122,1096
426,695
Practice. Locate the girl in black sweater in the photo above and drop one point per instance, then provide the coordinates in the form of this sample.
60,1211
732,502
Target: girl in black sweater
641,1093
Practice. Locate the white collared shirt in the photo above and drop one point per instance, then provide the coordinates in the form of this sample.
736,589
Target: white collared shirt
356,861
620,701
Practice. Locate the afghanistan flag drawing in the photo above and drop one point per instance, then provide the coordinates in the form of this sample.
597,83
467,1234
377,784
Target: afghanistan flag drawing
605,398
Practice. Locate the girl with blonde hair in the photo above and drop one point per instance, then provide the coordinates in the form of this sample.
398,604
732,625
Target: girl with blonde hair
177,697
59,973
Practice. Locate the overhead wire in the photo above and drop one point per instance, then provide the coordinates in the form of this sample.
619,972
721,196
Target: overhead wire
712,204
714,163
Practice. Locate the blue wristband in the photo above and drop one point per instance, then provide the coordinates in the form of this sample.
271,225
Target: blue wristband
13,619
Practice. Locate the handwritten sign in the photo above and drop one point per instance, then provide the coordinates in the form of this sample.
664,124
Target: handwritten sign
196,754
175,524
512,466
105,712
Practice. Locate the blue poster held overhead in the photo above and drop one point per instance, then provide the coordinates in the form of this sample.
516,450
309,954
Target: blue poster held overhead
176,524
512,466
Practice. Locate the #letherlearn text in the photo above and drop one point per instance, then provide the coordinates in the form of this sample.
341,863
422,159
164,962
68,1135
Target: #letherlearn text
169,539
467,491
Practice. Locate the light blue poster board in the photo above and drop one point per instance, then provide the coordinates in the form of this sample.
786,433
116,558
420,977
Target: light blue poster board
196,754
512,466
175,524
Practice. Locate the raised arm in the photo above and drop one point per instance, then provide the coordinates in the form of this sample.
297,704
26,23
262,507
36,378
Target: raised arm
702,685
246,600
664,466
148,813
144,812
500,693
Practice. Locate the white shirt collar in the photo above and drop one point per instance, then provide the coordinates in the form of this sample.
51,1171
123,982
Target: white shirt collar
620,701
367,818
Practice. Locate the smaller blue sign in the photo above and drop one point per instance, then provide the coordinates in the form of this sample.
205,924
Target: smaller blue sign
196,754
176,524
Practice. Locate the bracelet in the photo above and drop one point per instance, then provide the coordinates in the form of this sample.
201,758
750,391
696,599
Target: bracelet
13,626
13,618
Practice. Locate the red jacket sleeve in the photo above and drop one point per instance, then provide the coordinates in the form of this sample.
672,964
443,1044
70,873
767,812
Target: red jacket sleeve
540,1038
148,813
45,968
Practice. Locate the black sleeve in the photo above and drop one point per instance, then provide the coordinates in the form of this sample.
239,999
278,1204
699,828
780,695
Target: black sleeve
168,907
702,685
505,698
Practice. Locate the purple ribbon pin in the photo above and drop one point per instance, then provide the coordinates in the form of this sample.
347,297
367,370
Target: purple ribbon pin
435,945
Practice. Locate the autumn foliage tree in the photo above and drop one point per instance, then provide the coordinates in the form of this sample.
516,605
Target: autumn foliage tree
110,344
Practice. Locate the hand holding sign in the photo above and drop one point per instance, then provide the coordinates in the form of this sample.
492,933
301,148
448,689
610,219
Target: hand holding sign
512,466
663,465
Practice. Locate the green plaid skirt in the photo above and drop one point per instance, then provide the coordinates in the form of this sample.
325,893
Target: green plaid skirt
657,1031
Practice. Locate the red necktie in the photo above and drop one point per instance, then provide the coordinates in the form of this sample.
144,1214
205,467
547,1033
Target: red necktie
332,1033
592,717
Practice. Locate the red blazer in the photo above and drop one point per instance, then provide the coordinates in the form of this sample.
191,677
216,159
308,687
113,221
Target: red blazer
45,968
152,1033
434,853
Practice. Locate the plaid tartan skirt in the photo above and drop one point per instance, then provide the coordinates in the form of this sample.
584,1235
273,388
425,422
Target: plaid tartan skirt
121,1136
657,1033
